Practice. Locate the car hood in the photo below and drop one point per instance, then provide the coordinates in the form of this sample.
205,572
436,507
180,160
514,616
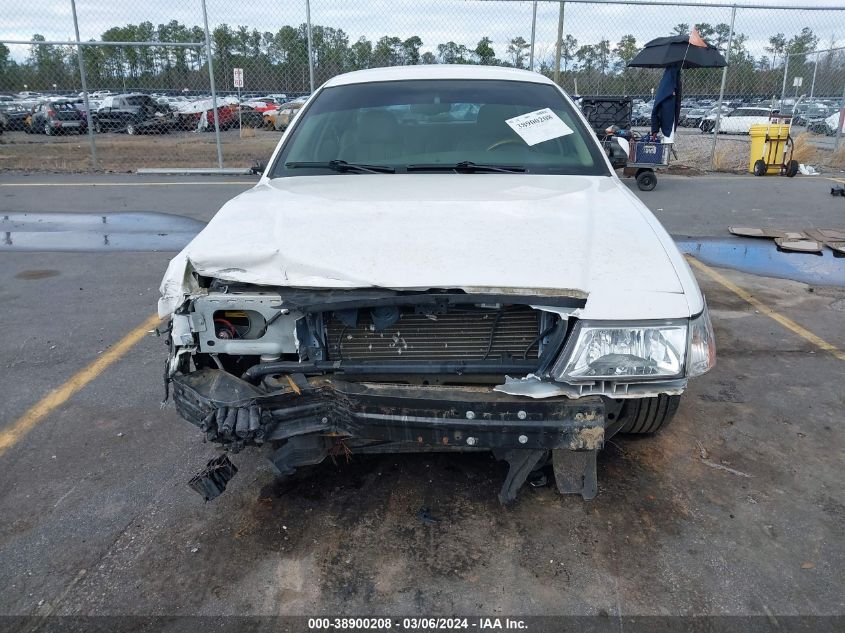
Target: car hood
520,234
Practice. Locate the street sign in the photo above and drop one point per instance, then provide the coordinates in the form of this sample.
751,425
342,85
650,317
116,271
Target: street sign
239,77
797,82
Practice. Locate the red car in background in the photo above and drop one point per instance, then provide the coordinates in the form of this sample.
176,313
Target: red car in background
227,115
262,105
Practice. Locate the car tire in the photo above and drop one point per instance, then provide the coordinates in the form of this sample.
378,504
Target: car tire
48,130
760,168
98,127
646,180
792,168
643,416
131,129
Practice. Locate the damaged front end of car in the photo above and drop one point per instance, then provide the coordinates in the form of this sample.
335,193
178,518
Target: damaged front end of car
318,373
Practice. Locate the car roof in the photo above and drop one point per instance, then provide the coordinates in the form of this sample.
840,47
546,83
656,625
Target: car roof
437,71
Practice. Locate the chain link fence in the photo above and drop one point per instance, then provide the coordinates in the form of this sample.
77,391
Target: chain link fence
151,94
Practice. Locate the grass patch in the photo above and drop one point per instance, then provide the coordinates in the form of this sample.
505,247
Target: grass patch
837,158
804,151
724,159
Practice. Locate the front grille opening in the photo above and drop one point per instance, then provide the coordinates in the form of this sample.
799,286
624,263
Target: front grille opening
469,333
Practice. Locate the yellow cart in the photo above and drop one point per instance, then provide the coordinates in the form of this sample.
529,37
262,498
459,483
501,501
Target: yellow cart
770,145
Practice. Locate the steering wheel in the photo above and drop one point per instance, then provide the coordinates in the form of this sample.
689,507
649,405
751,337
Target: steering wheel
506,141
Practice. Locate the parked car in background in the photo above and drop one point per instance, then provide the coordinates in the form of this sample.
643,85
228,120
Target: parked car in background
248,116
262,105
79,104
825,126
641,116
693,117
16,116
199,114
811,114
738,121
133,113
55,117
286,114
269,117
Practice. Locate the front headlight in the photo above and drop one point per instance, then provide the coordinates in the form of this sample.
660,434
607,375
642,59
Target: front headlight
603,351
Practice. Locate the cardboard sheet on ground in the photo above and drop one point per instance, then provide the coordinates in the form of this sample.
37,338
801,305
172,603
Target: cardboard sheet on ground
539,126
803,241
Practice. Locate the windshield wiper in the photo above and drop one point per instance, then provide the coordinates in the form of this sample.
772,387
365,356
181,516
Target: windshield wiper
343,167
467,166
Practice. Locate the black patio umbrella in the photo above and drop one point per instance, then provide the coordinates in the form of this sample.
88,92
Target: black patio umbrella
673,54
665,52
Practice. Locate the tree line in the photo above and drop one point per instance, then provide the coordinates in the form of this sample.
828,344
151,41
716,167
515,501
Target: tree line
278,61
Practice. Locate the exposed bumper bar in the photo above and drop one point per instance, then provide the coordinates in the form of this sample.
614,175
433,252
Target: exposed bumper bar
453,417
374,368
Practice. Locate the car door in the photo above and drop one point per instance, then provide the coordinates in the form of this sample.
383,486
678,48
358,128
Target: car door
39,117
732,122
752,116
104,113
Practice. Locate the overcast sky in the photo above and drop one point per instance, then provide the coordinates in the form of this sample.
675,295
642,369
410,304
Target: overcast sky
435,21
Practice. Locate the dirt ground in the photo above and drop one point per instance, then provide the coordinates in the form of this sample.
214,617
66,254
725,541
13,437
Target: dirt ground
122,153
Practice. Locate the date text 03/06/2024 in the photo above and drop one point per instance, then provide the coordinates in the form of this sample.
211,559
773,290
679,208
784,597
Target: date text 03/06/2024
416,624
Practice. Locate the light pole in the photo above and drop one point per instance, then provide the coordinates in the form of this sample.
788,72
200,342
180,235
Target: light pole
213,87
559,43
533,35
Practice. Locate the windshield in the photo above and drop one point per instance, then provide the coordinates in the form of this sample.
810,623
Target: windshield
140,101
432,124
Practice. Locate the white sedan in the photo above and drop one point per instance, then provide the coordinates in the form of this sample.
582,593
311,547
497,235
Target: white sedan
737,121
470,276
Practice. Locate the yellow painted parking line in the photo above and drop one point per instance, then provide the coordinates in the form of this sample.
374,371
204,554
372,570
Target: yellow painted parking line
125,184
56,398
785,321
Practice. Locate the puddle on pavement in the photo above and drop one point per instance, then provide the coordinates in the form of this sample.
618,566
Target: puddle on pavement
85,232
762,257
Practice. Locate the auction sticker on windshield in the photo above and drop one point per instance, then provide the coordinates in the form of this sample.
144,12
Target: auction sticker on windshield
539,126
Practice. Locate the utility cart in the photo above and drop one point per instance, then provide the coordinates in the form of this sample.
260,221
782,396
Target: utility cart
772,147
644,156
643,159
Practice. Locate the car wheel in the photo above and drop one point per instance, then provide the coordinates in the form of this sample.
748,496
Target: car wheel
48,130
792,168
646,180
131,129
98,127
642,416
760,168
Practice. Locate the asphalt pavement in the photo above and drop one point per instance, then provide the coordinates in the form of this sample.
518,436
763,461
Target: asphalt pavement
736,509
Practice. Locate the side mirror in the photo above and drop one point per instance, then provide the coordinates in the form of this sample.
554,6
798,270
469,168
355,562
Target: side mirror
258,167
